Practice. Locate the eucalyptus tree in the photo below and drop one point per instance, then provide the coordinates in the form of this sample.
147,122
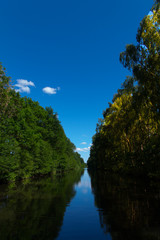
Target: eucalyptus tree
129,135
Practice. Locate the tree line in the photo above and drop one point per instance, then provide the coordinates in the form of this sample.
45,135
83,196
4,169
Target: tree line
127,138
32,140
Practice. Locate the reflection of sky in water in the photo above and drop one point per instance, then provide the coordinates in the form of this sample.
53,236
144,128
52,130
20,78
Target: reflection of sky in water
81,219
84,185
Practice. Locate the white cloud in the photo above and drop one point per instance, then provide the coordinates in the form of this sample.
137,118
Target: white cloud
23,86
83,143
22,89
49,90
25,82
86,149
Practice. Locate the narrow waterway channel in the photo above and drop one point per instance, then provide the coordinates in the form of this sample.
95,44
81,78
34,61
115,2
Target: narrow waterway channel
61,207
79,206
81,219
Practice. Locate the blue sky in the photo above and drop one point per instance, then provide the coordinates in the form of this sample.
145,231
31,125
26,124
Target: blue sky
68,53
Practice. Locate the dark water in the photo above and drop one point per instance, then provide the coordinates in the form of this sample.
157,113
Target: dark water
77,207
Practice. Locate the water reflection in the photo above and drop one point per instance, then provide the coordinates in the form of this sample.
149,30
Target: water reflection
128,209
73,208
35,210
81,220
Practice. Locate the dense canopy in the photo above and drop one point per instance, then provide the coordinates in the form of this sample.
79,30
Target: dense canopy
32,140
127,138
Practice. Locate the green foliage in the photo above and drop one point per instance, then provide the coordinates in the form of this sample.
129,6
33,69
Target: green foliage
127,139
32,140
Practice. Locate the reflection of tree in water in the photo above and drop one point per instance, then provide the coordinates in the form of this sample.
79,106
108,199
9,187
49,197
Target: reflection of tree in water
36,210
128,209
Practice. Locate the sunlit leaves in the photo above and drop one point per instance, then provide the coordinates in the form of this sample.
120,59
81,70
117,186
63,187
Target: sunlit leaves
128,137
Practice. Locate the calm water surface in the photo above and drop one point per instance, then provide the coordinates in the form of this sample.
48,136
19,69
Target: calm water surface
81,219
76,206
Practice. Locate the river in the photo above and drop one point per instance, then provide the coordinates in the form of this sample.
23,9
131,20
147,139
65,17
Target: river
80,206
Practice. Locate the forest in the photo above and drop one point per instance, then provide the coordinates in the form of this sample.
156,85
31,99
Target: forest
32,140
127,139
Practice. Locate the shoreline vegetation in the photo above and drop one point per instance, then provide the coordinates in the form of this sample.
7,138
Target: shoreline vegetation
32,140
127,139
